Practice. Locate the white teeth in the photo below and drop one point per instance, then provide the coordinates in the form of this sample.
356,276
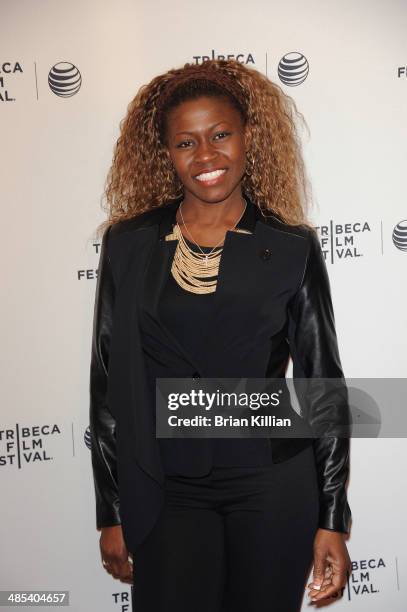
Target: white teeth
208,176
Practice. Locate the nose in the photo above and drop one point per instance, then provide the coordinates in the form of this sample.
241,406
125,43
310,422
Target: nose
205,151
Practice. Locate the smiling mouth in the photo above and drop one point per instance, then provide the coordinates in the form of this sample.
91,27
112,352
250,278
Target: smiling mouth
210,176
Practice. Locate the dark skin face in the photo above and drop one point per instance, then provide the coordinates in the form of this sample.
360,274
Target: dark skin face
202,136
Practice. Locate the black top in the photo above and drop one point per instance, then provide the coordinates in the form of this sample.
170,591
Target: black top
187,317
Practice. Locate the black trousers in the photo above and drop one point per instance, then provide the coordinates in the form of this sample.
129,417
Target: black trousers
236,540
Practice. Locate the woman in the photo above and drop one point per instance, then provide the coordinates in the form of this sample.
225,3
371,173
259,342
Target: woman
208,268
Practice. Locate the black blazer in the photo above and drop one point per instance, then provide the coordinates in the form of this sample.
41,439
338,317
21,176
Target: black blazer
286,288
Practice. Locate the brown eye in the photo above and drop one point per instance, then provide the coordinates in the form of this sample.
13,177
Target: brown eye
222,134
183,145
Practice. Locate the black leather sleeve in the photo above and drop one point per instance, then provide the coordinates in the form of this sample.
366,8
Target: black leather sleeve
102,422
314,351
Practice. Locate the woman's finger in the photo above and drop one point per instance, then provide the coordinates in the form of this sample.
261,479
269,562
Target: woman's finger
120,571
313,592
333,590
327,580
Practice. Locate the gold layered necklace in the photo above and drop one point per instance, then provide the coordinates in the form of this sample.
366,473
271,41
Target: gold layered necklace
194,271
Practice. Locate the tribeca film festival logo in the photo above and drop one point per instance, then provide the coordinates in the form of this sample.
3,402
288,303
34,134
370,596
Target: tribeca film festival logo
64,79
90,273
243,58
122,600
366,576
7,69
342,240
26,444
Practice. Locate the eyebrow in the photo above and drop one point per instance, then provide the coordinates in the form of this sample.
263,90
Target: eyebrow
210,128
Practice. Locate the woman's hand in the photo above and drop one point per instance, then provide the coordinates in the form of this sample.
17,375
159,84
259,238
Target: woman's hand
332,565
115,556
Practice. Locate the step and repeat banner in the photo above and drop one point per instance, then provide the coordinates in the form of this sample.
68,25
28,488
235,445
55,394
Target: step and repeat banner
344,63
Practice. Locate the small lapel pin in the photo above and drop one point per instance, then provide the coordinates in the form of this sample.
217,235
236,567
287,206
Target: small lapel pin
265,254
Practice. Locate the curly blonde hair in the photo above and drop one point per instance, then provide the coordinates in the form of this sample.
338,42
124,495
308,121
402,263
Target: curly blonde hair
142,176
